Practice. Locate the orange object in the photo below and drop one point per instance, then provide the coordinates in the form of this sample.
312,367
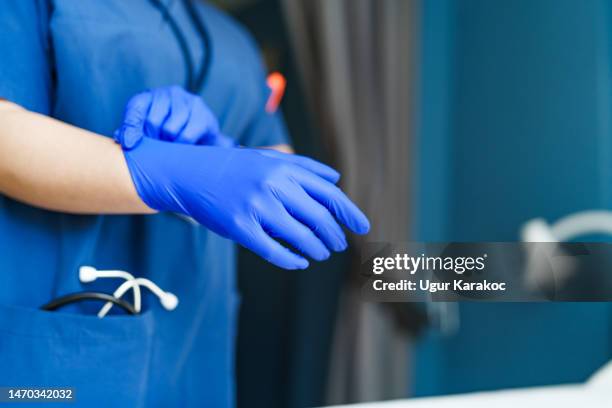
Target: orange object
277,84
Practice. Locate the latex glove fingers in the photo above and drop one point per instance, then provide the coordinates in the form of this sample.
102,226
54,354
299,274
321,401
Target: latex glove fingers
334,199
171,114
315,216
279,224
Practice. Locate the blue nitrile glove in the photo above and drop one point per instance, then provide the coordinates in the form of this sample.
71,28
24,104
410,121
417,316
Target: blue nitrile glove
251,196
170,114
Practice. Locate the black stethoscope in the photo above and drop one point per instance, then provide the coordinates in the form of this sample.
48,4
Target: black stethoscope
195,80
194,84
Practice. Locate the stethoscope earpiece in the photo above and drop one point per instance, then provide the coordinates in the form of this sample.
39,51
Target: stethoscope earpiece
87,274
169,301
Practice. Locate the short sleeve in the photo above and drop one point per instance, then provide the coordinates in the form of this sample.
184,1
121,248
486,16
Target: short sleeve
25,70
264,129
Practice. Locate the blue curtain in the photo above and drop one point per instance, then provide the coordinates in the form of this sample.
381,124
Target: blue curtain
514,124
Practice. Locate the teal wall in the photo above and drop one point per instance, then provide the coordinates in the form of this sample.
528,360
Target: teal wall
514,124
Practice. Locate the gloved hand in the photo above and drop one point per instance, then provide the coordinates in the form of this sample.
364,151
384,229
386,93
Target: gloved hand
171,114
251,196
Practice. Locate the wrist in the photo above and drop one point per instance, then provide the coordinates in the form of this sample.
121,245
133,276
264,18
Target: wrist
135,201
146,164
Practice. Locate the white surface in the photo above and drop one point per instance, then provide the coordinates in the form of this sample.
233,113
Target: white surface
596,393
552,397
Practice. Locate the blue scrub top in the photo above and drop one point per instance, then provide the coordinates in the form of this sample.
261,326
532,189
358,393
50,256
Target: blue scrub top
80,62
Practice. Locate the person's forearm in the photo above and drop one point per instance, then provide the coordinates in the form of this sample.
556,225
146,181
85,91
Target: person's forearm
49,164
283,148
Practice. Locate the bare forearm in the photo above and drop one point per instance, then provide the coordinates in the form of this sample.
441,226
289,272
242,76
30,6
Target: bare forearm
283,148
49,164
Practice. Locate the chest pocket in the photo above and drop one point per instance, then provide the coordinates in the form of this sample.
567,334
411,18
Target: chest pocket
105,360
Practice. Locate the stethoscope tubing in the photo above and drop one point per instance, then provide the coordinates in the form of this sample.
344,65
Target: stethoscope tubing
195,81
83,296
